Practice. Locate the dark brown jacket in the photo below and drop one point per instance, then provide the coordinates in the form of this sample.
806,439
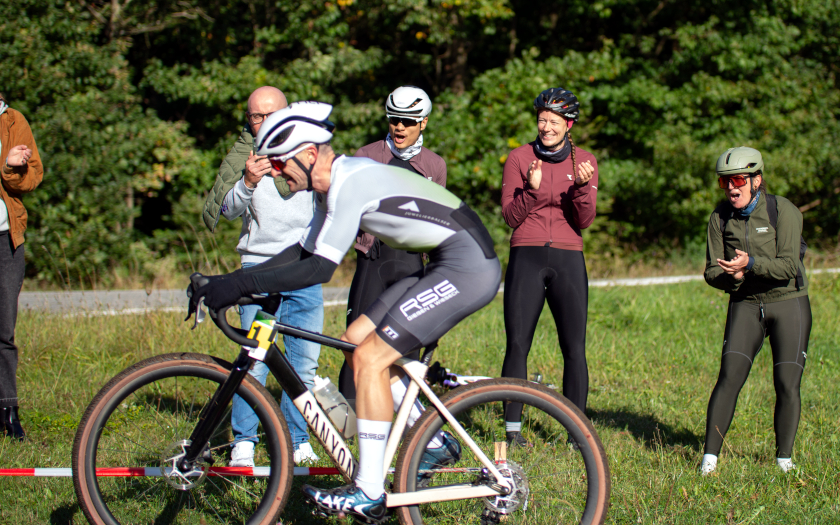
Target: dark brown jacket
17,180
427,163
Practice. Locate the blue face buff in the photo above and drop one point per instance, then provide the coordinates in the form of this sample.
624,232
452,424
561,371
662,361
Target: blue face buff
751,206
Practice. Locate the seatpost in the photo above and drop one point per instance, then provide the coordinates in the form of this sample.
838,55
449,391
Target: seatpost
428,351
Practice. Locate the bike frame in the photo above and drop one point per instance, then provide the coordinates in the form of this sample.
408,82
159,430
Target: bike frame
265,349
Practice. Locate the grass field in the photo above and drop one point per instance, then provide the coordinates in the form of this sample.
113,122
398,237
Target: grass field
653,359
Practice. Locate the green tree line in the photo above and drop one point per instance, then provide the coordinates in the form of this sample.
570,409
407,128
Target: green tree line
134,104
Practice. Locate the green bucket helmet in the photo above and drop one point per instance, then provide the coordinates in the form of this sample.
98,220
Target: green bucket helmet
739,160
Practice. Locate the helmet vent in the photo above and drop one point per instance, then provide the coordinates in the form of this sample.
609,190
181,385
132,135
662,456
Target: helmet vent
751,165
727,158
282,136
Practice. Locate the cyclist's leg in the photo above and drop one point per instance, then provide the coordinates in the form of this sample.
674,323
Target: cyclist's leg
363,327
461,283
523,301
568,296
743,338
304,309
361,289
372,278
445,295
789,327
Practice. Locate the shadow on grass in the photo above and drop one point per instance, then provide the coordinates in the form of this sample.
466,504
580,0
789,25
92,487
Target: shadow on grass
647,428
64,514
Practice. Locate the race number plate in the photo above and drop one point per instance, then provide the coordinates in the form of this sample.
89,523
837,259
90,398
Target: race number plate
262,329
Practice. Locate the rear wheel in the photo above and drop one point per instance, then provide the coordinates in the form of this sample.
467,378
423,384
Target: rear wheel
126,449
561,475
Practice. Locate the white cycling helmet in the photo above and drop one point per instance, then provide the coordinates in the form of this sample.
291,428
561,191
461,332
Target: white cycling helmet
298,123
408,102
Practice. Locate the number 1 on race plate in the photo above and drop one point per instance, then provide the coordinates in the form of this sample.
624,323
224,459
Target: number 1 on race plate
262,329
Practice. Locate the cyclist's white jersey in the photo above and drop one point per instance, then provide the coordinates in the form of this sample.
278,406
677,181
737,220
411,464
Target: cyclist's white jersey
405,211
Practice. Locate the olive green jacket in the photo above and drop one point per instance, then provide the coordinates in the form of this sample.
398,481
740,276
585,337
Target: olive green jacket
231,170
776,252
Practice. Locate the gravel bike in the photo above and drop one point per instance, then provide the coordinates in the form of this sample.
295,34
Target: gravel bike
152,445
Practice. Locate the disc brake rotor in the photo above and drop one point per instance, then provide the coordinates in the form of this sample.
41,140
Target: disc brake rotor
173,475
518,496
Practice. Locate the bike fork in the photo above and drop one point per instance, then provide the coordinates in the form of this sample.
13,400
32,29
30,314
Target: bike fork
212,414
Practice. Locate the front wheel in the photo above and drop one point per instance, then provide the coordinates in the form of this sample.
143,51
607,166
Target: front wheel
560,476
125,467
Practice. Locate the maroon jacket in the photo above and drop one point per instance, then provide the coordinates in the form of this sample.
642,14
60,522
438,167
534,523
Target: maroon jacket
427,163
555,214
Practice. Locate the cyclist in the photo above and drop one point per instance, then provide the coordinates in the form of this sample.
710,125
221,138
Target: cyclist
758,264
404,211
378,266
549,191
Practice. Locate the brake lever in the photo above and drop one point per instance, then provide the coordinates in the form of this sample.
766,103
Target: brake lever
200,314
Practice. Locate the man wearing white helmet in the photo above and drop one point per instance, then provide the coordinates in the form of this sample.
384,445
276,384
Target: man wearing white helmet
378,266
405,212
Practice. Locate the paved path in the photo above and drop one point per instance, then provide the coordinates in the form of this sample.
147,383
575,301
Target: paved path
119,302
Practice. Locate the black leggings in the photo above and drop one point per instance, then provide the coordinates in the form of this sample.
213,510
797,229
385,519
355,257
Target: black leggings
372,278
788,323
537,274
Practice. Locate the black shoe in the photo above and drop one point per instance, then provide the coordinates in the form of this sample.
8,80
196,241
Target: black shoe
11,424
516,439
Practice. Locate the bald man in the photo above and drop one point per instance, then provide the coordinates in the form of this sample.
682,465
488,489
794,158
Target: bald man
273,218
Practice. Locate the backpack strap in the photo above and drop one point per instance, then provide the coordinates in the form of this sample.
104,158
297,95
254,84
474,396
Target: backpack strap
772,209
773,214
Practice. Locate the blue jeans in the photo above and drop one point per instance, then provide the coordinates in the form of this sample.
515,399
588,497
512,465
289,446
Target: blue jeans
301,308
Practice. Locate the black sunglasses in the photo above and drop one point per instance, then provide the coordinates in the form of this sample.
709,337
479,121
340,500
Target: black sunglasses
407,122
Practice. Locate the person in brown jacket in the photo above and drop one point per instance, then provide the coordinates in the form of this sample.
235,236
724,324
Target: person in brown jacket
21,173
377,265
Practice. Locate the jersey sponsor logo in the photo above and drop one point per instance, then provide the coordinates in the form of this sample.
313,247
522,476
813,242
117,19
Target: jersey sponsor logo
761,230
371,435
410,206
428,299
390,332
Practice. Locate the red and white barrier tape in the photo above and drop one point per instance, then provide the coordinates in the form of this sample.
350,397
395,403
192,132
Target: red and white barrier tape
259,472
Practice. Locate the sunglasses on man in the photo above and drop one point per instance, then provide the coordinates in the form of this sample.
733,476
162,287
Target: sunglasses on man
736,180
407,122
279,163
